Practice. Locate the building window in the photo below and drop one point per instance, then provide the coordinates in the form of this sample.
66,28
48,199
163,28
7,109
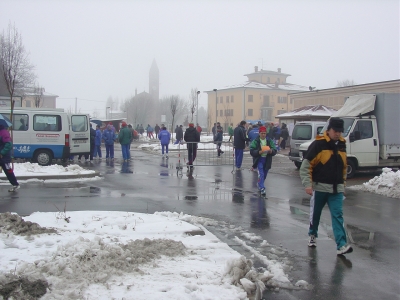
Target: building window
229,112
221,113
221,99
227,99
250,112
266,114
231,99
28,103
250,98
266,100
282,99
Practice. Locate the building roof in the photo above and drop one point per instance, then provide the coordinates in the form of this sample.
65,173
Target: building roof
308,111
267,72
269,86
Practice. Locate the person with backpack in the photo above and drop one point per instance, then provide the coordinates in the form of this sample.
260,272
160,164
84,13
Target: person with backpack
191,137
5,158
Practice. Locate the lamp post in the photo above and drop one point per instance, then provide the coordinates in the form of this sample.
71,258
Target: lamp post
106,111
197,108
216,111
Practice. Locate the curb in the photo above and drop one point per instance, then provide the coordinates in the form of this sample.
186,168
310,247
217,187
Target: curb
46,177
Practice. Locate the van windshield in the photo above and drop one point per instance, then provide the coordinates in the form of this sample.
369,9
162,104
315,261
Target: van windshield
302,132
348,123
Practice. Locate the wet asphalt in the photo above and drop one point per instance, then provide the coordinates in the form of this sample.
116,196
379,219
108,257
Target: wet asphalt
150,183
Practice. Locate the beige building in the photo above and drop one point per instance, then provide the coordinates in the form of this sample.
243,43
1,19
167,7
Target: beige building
335,97
262,97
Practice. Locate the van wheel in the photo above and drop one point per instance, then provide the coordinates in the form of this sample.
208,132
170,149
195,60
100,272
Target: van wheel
297,164
43,157
351,168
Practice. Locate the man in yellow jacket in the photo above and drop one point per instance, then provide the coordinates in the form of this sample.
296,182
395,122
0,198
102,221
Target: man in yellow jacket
323,173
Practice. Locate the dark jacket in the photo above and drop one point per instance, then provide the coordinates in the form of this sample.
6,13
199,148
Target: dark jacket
253,134
325,163
157,129
192,135
179,133
239,137
255,148
219,134
284,133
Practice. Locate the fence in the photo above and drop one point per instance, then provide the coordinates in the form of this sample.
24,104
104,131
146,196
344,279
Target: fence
205,154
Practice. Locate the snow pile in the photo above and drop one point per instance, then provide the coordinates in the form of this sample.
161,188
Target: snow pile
35,170
387,184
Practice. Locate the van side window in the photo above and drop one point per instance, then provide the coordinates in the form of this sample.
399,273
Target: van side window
47,123
79,123
365,129
319,128
20,122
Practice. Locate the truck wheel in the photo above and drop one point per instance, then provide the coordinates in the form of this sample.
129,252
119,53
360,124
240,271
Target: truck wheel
297,164
43,157
351,168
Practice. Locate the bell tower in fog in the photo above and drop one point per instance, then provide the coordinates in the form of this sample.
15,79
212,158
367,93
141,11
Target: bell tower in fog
154,81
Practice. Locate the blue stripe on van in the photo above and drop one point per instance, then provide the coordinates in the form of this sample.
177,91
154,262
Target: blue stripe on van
27,151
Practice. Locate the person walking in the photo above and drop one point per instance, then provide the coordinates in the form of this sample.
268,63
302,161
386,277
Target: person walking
5,158
125,138
92,142
230,132
133,135
109,137
178,134
157,129
218,138
277,135
165,137
284,136
191,137
97,143
323,174
262,149
239,143
150,131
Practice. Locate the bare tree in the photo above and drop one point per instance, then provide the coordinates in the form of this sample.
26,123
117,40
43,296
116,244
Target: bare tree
193,102
38,95
345,82
14,62
176,105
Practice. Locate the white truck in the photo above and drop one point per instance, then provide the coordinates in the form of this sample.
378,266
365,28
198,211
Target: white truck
371,130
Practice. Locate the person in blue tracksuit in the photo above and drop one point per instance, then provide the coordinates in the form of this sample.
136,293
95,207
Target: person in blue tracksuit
165,137
239,143
263,156
109,137
97,143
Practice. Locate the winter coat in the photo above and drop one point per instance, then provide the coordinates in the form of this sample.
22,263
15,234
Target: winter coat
255,148
164,136
92,136
5,146
219,135
179,133
125,136
150,129
253,134
230,130
157,129
325,165
97,139
109,136
239,137
191,136
284,133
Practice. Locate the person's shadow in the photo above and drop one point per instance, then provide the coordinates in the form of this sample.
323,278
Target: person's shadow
237,189
126,168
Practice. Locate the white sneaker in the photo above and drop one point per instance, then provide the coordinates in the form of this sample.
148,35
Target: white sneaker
313,241
14,188
344,250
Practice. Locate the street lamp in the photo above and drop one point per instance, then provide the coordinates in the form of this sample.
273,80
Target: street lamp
216,111
197,108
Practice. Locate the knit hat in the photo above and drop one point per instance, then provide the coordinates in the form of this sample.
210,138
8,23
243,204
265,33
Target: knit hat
262,129
336,124
123,124
191,125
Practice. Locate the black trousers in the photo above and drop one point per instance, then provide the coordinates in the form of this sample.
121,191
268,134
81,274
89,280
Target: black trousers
7,168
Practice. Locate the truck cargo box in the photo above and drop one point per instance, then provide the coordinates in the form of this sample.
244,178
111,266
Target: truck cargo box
387,113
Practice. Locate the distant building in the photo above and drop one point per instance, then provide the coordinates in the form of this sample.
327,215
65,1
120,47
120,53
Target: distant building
335,97
307,113
38,97
263,96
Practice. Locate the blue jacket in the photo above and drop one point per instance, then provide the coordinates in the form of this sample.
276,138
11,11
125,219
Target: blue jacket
97,140
109,136
253,134
164,136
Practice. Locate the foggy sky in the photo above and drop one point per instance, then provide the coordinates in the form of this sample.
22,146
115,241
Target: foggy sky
95,49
